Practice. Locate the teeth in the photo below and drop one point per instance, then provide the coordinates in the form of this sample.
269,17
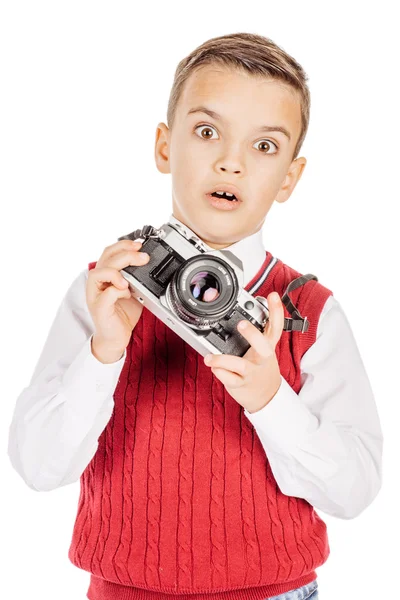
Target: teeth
222,193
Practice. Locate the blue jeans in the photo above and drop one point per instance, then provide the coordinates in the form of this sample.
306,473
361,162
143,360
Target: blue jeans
306,592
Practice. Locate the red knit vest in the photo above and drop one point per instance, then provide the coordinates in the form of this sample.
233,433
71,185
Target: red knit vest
179,497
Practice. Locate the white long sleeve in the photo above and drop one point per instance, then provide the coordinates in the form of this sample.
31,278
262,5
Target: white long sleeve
59,417
325,443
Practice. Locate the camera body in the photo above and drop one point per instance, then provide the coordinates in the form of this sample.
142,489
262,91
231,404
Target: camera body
196,292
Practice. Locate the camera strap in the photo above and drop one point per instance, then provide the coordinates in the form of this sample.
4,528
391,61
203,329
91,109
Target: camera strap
297,323
144,232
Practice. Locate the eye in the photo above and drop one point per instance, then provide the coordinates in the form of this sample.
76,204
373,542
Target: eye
269,144
204,128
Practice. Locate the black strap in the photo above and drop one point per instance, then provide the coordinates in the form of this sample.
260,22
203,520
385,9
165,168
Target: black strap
298,323
144,232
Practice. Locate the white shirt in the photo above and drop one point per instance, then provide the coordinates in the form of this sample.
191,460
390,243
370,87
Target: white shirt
323,444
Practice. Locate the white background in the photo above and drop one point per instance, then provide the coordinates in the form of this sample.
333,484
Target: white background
83,86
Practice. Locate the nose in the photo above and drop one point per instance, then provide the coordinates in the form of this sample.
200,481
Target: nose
223,169
230,163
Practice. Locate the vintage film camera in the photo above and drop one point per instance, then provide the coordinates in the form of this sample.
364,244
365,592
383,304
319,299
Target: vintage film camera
196,292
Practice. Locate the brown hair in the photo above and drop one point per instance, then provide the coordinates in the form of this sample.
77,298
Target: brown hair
250,53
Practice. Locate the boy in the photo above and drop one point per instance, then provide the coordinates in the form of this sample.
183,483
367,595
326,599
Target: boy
201,477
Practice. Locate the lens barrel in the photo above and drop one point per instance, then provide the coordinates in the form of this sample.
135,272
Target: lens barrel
202,290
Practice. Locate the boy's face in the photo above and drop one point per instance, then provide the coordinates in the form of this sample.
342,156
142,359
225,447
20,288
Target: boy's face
201,151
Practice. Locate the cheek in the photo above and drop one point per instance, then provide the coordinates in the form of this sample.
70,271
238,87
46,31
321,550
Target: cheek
190,161
183,173
183,152
269,173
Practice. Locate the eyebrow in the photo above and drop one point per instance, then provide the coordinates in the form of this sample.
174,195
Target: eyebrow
218,117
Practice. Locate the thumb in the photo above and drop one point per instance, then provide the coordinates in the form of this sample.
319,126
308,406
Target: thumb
276,320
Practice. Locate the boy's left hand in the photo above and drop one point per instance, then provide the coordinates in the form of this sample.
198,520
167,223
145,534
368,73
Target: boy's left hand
253,379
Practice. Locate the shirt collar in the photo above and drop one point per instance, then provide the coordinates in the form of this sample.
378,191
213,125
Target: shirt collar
250,250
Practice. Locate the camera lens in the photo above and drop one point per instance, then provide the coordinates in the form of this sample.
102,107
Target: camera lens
204,286
203,290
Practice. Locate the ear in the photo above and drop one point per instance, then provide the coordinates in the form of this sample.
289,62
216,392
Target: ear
161,150
293,175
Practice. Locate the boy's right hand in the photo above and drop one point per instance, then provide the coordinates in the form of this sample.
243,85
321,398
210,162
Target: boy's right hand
115,312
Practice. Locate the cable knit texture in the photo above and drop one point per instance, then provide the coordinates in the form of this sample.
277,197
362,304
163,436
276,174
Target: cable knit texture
179,497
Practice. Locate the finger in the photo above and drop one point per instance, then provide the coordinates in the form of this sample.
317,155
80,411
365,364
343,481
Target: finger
276,319
108,298
123,259
118,247
120,261
260,347
99,280
228,378
235,364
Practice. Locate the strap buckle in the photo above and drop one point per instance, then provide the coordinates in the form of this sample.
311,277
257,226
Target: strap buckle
305,325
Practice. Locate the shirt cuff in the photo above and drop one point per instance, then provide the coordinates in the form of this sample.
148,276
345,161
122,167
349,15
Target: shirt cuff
118,363
86,376
284,422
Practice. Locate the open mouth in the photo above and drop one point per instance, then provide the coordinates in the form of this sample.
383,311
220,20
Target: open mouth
224,201
225,195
